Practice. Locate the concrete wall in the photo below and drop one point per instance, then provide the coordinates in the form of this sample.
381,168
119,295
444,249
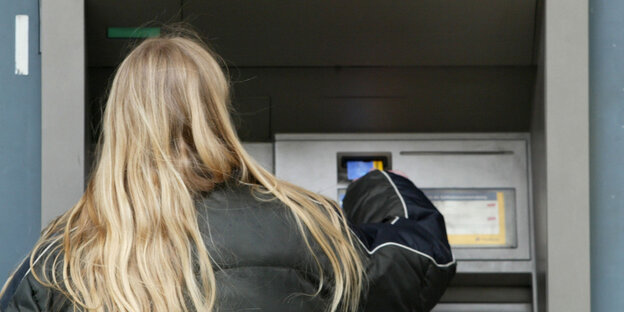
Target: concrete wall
20,139
62,106
567,155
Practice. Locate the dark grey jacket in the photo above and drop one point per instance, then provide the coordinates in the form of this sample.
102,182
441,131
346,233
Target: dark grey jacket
262,264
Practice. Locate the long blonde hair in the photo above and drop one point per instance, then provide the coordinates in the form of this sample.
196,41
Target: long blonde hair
132,242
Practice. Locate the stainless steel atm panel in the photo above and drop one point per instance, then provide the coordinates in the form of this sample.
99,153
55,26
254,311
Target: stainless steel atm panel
458,165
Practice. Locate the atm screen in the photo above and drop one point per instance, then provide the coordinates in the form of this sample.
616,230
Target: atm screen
477,217
358,168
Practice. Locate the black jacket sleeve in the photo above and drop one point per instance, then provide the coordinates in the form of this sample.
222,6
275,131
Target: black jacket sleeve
403,236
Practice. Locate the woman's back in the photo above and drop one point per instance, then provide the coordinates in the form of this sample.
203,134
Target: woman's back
263,264
261,261
169,222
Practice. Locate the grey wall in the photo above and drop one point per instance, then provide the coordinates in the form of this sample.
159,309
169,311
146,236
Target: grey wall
607,148
62,106
567,155
20,139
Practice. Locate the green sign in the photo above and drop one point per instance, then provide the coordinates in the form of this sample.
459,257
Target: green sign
132,32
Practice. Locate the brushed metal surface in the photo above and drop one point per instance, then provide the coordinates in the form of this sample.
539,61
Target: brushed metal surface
487,161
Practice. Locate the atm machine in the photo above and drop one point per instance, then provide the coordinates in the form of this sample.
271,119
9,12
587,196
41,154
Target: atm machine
426,67
480,183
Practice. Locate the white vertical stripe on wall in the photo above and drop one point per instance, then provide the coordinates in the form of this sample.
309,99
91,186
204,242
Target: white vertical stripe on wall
21,45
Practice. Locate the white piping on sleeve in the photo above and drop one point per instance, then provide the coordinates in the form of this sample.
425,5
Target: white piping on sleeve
397,191
370,252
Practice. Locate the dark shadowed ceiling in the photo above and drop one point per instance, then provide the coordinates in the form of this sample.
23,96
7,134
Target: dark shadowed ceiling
347,66
274,33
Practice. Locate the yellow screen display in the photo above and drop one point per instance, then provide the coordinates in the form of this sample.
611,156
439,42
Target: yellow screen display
473,217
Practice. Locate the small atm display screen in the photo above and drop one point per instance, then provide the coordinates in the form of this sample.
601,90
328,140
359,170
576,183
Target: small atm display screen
477,217
358,168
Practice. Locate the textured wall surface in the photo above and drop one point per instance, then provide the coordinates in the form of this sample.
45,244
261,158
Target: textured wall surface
62,106
20,139
606,153
567,155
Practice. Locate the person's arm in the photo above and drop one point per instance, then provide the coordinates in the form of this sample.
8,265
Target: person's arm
403,236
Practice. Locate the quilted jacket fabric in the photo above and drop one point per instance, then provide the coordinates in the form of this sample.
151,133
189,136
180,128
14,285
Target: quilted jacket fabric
262,264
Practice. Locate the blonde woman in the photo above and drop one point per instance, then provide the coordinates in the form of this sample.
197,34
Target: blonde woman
178,217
